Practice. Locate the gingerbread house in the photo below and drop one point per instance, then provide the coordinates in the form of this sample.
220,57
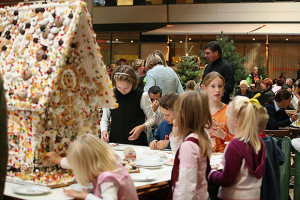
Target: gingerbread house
54,78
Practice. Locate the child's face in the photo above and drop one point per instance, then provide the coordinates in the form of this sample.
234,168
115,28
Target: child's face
123,86
168,115
215,89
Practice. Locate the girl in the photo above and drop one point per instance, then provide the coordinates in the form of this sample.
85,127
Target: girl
94,161
191,160
244,157
128,120
213,84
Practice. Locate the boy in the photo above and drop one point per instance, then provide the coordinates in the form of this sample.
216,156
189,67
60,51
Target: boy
160,139
270,188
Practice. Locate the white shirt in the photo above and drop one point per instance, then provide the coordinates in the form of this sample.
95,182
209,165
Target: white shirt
146,106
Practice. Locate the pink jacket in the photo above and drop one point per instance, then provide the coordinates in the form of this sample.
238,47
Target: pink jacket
121,179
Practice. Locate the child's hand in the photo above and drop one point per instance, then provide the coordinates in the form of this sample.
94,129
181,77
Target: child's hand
136,131
53,157
162,144
105,136
294,117
75,194
153,144
175,129
155,105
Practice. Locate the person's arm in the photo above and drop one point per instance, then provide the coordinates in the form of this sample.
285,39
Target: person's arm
188,168
233,162
150,81
3,139
146,106
156,134
109,191
229,79
104,123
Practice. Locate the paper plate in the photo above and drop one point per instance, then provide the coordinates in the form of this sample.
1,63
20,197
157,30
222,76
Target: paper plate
150,164
31,190
140,177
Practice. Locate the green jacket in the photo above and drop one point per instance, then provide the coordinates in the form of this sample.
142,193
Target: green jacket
3,139
250,78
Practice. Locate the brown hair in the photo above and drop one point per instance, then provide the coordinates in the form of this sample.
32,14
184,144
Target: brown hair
268,82
168,100
190,85
211,76
125,73
193,116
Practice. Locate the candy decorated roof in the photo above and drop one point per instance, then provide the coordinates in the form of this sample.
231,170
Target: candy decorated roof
38,43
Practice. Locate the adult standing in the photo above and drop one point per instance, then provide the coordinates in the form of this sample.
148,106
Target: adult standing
3,139
161,76
253,76
213,53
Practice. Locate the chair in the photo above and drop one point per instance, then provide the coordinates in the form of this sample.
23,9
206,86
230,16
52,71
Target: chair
296,173
278,133
285,168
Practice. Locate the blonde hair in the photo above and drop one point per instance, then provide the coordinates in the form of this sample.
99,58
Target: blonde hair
125,73
137,63
263,119
190,85
161,55
89,157
152,60
211,76
243,82
193,116
246,113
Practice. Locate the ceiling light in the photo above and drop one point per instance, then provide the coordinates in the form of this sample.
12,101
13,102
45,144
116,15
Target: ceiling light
190,38
253,38
117,39
287,39
180,41
171,40
131,41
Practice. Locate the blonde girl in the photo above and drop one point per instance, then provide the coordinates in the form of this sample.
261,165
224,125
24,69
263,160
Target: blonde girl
128,123
244,157
92,160
191,160
213,85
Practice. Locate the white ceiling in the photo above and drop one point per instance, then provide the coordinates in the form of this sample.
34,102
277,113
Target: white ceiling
228,29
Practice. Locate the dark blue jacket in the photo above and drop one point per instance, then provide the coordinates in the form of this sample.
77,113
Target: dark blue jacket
163,130
276,119
270,188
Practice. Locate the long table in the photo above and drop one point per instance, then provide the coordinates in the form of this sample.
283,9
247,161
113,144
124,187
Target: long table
155,189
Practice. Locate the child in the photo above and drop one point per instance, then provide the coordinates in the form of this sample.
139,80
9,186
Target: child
94,161
270,188
213,85
128,120
160,139
190,85
192,117
244,157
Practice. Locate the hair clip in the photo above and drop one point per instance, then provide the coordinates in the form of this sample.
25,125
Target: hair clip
254,101
121,73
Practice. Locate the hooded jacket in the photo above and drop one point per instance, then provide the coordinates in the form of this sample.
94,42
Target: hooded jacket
243,171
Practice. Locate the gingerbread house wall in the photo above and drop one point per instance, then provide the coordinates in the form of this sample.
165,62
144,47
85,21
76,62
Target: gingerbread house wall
75,86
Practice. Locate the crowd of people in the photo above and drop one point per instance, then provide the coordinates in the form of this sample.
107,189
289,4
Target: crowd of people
155,111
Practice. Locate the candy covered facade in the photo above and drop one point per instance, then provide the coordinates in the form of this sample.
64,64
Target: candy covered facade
54,78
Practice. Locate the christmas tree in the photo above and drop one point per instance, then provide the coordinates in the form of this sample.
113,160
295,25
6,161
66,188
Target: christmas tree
230,54
188,67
